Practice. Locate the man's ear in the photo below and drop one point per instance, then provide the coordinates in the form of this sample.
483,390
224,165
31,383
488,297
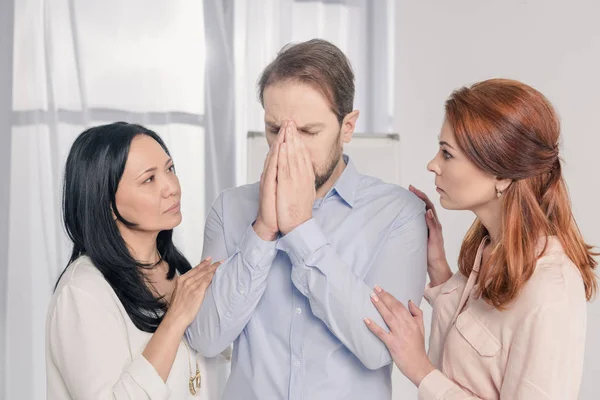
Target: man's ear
349,125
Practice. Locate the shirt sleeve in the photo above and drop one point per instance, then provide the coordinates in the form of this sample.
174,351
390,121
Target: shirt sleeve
432,293
437,386
546,358
341,299
89,346
236,288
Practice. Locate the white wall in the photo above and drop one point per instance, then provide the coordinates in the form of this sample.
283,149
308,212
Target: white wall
552,45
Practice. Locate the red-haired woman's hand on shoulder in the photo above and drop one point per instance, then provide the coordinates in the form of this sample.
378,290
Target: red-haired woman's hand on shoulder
437,264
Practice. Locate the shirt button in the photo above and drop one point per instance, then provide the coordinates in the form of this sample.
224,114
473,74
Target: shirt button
298,311
256,250
296,363
241,291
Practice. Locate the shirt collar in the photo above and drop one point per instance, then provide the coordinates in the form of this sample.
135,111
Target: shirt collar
347,184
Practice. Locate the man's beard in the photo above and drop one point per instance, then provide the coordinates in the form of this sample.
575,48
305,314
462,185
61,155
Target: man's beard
335,155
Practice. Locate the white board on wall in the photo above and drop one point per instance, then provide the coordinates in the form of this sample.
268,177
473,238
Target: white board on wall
373,154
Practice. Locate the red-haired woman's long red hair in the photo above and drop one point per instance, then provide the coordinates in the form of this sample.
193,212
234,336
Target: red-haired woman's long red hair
511,131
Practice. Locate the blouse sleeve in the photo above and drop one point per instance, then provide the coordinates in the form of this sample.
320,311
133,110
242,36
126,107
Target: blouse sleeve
89,346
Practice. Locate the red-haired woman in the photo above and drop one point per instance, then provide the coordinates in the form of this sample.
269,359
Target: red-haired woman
510,324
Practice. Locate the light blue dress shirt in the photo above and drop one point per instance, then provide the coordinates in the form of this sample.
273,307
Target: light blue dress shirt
294,307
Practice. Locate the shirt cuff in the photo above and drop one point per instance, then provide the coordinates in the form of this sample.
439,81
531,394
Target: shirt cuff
432,293
301,243
434,386
145,375
257,252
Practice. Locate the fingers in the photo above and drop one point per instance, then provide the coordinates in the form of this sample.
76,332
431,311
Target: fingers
283,169
428,204
381,333
414,310
298,156
281,138
210,270
267,159
304,156
283,132
385,312
418,193
291,140
432,223
271,171
422,196
205,280
197,290
274,149
200,273
274,145
203,264
201,283
417,313
293,157
395,307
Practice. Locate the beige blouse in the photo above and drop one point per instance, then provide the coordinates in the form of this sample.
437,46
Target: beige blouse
532,350
94,351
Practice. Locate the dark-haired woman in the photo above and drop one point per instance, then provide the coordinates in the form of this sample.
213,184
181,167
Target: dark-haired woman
116,323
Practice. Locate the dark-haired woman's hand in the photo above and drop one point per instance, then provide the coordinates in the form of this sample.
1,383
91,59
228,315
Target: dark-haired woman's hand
185,303
437,264
189,293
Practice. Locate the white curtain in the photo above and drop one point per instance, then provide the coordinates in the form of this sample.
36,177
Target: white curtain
6,46
362,29
76,64
220,154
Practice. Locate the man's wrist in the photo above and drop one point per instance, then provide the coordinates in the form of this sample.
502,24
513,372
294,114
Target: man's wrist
263,231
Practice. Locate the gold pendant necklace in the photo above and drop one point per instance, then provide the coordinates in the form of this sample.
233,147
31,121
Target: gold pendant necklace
195,382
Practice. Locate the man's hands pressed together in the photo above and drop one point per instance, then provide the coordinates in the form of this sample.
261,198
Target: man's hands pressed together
287,185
